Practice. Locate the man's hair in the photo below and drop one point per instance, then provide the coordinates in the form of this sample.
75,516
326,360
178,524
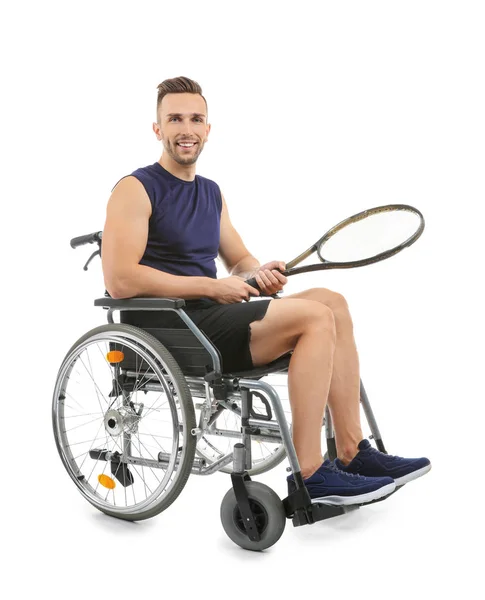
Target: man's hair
177,85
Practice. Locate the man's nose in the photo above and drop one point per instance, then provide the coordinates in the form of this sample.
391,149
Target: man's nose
187,126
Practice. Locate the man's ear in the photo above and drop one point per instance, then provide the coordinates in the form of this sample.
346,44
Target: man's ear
156,129
208,131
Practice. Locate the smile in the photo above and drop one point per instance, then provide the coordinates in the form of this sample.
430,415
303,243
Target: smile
186,144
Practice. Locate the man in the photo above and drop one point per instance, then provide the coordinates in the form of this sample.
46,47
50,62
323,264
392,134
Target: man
165,226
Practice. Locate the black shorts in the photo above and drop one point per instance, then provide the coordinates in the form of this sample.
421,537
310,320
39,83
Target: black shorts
226,325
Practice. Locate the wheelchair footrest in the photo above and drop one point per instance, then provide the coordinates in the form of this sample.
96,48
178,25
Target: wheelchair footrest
299,507
319,512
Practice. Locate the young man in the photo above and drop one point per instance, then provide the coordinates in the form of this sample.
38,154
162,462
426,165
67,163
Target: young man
166,225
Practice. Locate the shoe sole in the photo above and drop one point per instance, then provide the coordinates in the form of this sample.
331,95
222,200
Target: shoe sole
385,490
410,476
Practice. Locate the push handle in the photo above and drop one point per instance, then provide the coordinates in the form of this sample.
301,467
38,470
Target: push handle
90,238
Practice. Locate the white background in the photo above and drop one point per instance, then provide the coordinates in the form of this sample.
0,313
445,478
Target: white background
318,110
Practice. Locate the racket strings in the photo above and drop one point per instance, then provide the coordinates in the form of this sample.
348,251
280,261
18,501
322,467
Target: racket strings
370,236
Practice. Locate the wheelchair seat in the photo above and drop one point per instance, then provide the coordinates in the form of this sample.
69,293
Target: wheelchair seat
279,365
191,348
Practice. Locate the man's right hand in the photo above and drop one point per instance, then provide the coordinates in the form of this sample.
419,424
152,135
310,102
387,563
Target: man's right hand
229,290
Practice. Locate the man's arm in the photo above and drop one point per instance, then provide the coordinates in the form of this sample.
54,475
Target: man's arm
235,256
124,242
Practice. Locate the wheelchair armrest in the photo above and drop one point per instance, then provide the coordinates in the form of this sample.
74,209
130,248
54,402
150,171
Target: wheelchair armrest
140,303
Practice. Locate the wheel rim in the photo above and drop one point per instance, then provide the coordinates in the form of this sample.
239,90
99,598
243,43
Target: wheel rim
141,423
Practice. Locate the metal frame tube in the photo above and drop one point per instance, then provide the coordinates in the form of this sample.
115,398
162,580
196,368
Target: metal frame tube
252,384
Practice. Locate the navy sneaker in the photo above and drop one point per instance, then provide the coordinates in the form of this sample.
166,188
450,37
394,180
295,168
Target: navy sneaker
372,463
330,485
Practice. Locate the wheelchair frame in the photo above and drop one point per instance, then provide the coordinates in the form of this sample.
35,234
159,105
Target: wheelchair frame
201,365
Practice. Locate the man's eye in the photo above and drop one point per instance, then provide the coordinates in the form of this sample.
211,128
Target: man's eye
174,119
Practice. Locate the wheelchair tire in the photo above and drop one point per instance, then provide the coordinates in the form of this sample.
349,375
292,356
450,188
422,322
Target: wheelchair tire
269,514
158,477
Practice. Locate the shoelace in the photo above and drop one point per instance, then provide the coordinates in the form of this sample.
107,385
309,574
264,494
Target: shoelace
388,456
333,467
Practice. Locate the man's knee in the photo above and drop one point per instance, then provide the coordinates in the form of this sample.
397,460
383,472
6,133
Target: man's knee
300,315
318,316
339,302
333,300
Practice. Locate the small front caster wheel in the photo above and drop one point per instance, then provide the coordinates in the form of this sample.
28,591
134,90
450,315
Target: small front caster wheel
269,516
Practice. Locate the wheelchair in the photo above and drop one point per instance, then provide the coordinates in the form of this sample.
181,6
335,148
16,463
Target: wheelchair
125,426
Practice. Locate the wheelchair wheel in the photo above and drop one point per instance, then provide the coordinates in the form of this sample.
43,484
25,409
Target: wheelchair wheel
227,431
269,514
123,418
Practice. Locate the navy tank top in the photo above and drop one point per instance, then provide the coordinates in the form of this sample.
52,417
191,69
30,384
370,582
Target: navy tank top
184,228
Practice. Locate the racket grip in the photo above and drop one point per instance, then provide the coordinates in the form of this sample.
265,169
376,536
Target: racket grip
253,283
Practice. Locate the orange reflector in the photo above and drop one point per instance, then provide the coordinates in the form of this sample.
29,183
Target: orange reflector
115,356
106,482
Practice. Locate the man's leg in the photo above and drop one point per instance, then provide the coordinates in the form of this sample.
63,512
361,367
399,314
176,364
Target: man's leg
344,393
310,384
308,328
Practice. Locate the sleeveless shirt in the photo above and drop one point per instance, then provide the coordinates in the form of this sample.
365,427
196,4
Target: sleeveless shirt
184,228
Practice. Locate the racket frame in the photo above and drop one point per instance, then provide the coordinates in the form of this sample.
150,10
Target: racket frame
324,264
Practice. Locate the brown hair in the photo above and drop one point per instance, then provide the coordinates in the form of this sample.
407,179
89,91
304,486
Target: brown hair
177,85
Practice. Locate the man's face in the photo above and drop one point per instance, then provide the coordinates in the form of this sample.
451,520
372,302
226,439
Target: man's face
182,126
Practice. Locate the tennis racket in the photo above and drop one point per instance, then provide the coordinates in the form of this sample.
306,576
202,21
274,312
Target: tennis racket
365,238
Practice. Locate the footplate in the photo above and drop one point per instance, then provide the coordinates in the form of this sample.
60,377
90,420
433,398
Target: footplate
299,507
302,511
319,512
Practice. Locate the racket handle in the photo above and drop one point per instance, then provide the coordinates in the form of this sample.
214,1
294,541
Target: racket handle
253,283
